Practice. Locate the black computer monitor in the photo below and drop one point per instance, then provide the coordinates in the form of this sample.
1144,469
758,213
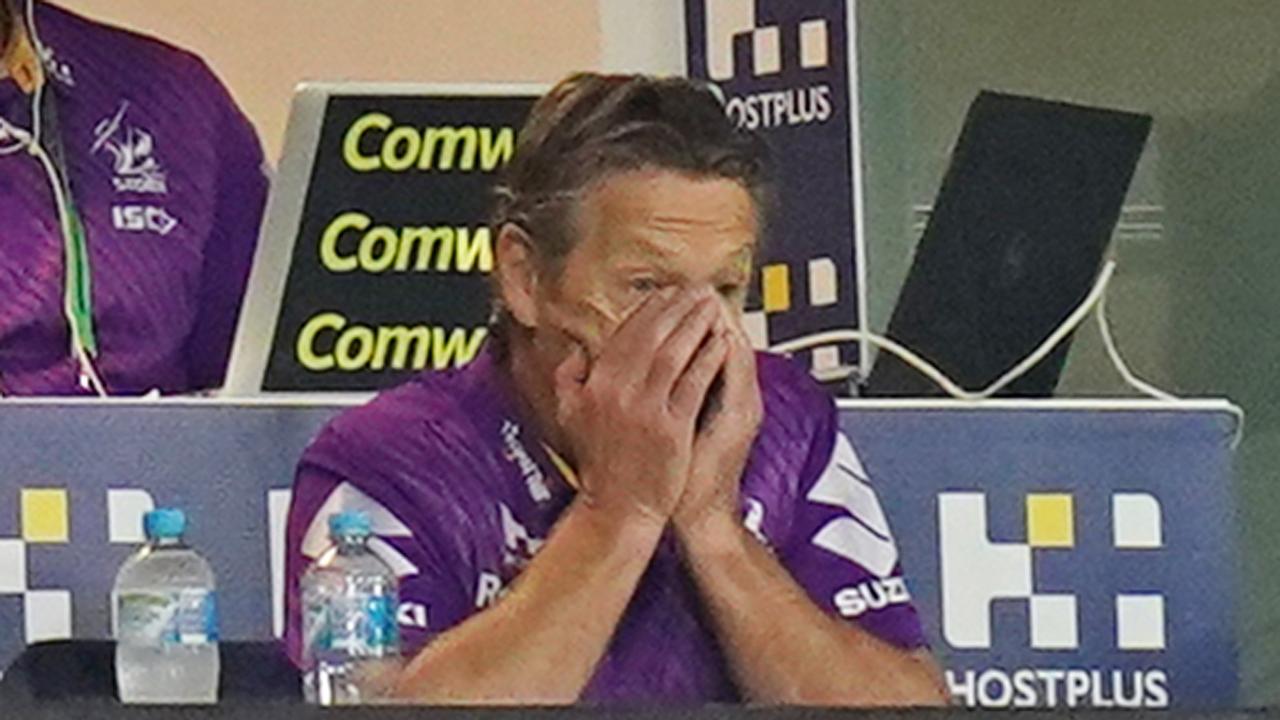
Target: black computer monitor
1014,243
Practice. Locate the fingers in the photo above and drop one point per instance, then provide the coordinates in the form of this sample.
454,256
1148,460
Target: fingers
742,358
733,403
674,355
645,330
741,384
691,389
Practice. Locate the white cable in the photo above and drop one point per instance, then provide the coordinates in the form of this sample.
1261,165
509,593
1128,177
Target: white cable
88,373
1091,301
1142,386
940,378
1121,367
21,138
831,337
1064,330
89,376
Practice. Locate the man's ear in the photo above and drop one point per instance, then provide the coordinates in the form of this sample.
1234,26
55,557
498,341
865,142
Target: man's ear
517,273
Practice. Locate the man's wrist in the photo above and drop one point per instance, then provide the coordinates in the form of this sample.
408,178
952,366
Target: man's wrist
711,536
625,527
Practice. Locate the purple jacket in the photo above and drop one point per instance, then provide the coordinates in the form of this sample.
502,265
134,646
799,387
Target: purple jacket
462,493
168,177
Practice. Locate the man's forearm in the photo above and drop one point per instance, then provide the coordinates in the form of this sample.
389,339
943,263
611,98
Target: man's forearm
540,644
782,647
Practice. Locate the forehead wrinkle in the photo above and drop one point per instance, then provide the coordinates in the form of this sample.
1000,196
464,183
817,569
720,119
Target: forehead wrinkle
665,250
659,245
657,227
720,215
646,216
683,221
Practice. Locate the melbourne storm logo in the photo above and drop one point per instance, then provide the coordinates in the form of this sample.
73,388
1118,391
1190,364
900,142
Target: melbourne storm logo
132,151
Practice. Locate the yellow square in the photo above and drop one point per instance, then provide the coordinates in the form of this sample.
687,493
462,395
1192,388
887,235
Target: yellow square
776,288
44,515
1050,521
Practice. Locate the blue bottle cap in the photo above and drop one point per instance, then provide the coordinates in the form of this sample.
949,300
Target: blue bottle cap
350,523
164,523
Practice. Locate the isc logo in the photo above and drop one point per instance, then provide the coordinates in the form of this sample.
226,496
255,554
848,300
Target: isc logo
143,218
727,19
977,571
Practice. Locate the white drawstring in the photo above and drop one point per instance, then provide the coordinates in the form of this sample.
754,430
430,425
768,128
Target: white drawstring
30,140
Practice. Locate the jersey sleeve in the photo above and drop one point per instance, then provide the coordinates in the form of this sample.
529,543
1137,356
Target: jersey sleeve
432,598
840,547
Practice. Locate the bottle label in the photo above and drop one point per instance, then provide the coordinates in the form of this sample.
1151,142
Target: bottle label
357,626
159,618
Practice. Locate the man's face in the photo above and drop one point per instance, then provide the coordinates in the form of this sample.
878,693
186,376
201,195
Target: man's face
640,232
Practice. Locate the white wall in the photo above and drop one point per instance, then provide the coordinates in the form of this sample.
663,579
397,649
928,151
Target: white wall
642,36
262,48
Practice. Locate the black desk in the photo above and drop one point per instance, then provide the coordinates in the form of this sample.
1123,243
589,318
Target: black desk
74,670
76,679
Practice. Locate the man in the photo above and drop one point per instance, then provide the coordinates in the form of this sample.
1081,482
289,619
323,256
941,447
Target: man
130,214
618,501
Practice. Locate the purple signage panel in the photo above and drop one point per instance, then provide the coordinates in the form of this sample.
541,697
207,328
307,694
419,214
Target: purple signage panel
788,70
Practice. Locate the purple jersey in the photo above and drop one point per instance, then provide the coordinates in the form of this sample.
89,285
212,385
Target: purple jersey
168,178
462,494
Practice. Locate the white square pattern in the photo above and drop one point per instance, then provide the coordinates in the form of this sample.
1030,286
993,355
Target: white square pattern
756,326
826,358
1135,521
1053,622
13,566
125,509
823,282
1140,622
813,44
767,47
47,615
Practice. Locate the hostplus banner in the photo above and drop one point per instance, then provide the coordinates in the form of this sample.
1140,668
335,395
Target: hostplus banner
1059,558
1066,559
787,70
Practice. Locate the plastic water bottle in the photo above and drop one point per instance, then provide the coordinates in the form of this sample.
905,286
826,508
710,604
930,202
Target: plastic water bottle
164,611
351,643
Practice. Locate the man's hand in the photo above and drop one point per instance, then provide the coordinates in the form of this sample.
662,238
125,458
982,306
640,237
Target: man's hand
629,416
720,451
